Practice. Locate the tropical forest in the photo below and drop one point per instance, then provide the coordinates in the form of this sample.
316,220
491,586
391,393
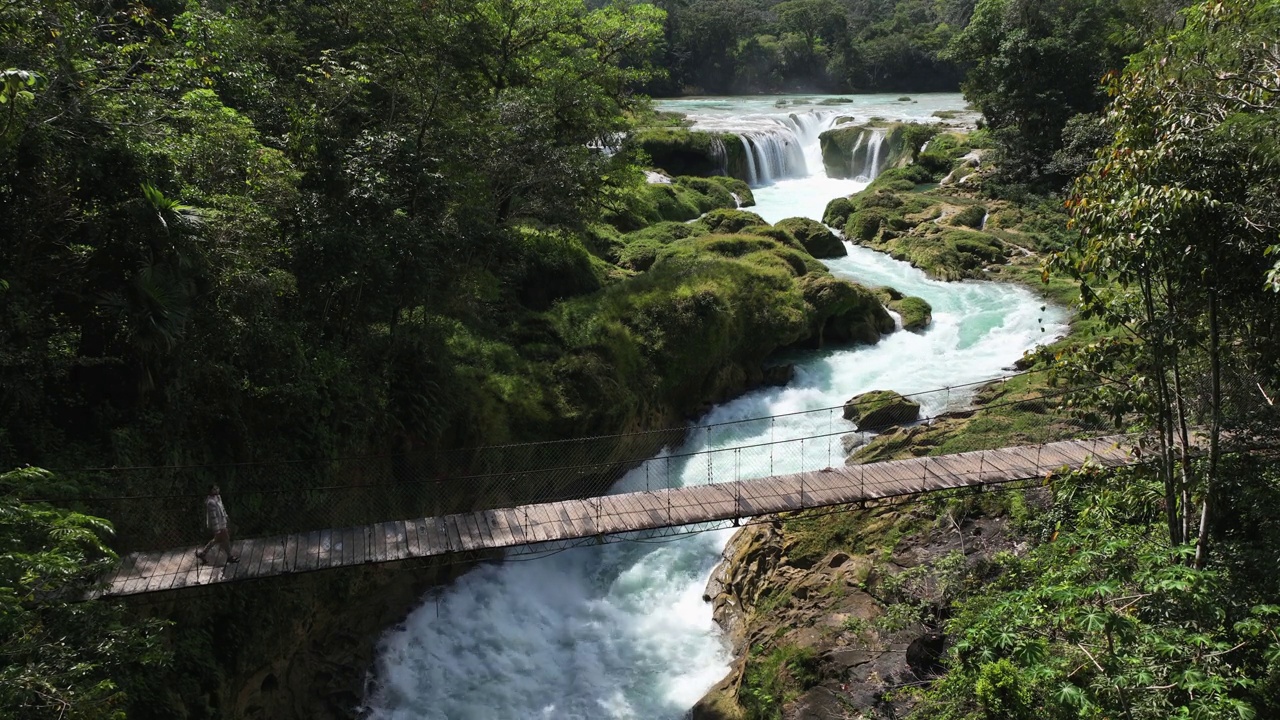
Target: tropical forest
626,360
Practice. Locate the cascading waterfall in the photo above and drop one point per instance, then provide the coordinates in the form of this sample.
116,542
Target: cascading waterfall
853,156
721,155
776,150
620,632
753,176
872,168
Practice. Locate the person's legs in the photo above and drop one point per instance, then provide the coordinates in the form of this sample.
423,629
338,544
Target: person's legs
205,550
224,539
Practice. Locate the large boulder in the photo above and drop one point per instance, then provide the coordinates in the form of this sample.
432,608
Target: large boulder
816,238
881,409
916,313
679,151
852,151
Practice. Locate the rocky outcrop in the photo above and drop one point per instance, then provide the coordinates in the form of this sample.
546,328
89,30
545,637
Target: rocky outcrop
852,151
881,409
863,605
916,313
817,239
692,152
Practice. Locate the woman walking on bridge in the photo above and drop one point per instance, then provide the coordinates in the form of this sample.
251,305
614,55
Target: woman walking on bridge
215,516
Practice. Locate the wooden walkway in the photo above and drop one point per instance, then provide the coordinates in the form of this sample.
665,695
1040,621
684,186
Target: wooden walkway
392,541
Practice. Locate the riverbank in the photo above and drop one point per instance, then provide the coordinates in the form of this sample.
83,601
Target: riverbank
833,614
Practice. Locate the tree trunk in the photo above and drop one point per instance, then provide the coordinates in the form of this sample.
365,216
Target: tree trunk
1215,430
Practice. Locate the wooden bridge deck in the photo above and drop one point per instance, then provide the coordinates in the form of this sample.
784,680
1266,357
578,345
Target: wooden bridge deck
150,572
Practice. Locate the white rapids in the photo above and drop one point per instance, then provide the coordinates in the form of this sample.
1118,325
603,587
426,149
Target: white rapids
620,632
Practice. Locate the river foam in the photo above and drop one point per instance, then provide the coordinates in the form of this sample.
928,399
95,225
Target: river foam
620,631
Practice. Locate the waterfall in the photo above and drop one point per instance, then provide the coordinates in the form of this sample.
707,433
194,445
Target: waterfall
753,177
853,156
874,145
721,155
778,147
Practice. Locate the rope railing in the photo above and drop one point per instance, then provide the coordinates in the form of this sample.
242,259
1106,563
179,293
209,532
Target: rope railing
160,507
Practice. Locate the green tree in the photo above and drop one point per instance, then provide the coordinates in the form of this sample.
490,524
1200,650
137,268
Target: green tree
61,655
1035,65
1175,228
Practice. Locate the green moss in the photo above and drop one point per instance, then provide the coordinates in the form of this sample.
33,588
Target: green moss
866,225
971,216
917,314
817,240
881,409
730,221
837,212
714,194
684,152
735,245
776,233
842,311
549,265
738,187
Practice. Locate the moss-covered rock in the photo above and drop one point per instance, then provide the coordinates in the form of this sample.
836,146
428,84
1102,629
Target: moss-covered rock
775,233
640,249
730,221
916,313
848,151
816,238
881,409
843,312
971,216
716,194
681,151
550,265
739,188
867,225
680,201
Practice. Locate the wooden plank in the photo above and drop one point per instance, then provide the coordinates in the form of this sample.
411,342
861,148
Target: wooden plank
625,511
307,543
455,538
413,530
349,546
377,543
161,574
394,539
654,509
325,551
469,530
290,557
578,518
546,524
250,554
437,536
142,572
615,514
502,533
359,545
244,549
482,525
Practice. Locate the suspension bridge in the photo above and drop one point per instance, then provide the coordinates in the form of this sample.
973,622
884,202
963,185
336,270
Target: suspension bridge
735,470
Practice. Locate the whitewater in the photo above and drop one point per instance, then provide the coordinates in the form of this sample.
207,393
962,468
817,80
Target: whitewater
620,631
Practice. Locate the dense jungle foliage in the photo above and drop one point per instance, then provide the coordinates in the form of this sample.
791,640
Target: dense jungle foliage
242,230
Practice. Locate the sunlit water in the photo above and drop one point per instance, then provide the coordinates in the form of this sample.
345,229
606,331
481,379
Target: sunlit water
620,631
